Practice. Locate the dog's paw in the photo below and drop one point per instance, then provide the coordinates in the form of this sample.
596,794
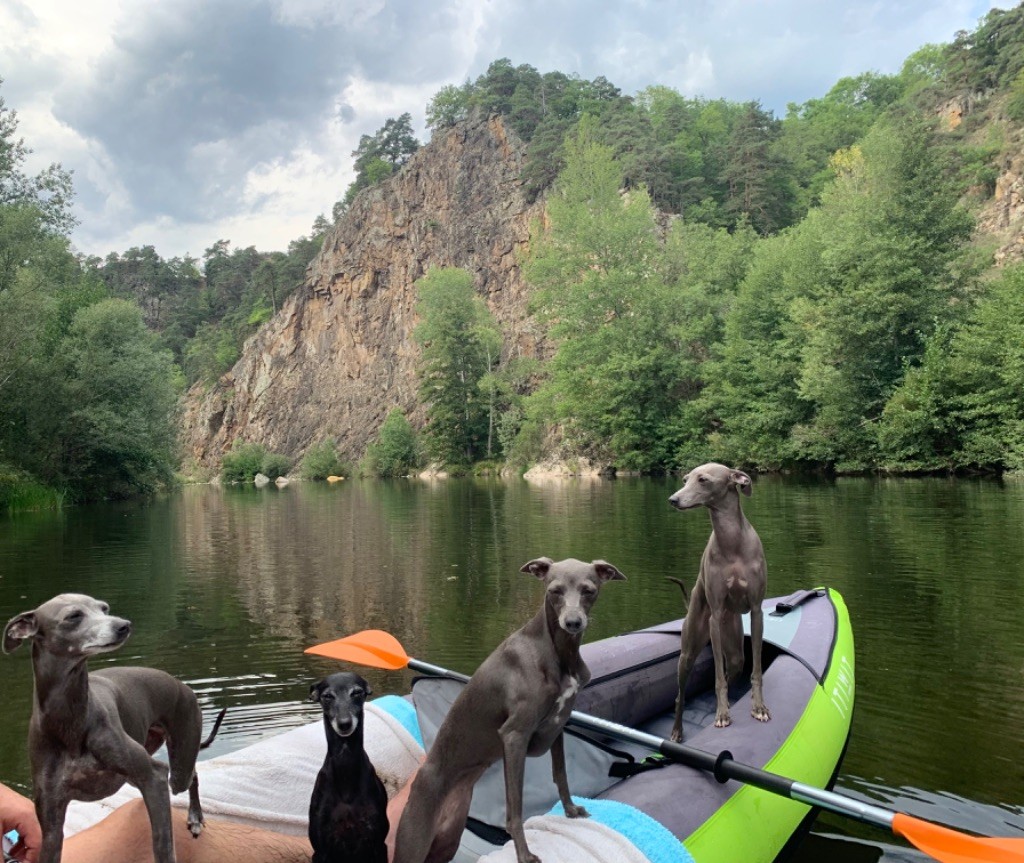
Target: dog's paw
195,828
722,720
574,811
676,736
760,713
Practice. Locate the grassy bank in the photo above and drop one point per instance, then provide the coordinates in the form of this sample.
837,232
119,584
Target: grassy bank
19,492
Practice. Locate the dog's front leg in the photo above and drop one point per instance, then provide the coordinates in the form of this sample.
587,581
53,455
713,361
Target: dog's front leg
722,718
51,807
514,743
562,781
758,709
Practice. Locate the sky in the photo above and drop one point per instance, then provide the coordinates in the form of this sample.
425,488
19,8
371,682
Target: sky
189,121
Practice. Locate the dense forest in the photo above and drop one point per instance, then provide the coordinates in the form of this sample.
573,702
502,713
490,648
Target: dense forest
797,292
794,293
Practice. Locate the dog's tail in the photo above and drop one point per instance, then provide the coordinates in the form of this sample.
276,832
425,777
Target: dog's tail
682,587
216,728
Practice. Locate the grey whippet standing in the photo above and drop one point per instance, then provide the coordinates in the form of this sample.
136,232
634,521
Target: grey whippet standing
732,580
91,733
514,706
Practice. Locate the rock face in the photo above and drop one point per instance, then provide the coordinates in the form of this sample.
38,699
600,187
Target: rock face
339,355
1003,216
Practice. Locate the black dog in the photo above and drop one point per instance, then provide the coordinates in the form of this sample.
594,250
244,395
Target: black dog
348,819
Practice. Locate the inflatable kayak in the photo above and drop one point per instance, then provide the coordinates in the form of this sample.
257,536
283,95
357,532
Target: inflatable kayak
809,688
643,809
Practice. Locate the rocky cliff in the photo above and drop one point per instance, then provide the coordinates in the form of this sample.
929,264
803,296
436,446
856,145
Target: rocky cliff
340,354
1002,218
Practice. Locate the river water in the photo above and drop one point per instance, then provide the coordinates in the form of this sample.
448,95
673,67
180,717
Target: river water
226,586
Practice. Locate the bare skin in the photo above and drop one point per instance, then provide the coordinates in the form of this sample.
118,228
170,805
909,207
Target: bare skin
124,836
18,813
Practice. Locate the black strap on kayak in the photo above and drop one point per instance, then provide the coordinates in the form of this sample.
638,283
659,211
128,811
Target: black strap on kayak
631,767
488,832
627,766
785,605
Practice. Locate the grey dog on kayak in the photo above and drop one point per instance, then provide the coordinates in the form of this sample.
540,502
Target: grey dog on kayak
515,705
732,581
90,733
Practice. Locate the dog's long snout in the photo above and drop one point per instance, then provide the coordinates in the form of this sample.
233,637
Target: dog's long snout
344,725
574,622
119,630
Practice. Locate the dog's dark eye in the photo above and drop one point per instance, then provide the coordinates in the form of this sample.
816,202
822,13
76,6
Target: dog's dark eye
327,696
558,590
587,590
357,694
73,618
104,608
702,479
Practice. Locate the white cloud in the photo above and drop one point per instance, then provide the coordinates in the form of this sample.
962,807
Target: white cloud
187,121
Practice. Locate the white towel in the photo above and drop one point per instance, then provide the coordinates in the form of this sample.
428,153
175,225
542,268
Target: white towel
269,783
557,839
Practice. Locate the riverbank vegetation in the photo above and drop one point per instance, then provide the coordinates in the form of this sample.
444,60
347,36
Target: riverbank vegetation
87,395
245,460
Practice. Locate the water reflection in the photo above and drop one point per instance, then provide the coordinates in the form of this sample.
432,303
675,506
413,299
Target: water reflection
227,586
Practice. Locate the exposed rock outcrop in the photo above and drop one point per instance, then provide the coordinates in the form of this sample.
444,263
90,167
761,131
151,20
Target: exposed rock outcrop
1003,216
339,355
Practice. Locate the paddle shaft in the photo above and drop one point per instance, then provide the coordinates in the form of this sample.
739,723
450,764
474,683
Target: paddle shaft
722,766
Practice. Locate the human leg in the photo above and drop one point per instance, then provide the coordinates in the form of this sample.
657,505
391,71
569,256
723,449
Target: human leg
124,837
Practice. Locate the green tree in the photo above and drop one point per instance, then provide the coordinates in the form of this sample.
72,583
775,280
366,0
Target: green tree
395,140
758,187
963,407
889,230
613,386
460,346
833,314
379,155
117,437
448,106
1015,102
244,460
396,451
321,461
50,191
752,404
813,131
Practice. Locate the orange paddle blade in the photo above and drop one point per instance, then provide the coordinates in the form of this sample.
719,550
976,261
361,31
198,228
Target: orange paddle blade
373,647
952,846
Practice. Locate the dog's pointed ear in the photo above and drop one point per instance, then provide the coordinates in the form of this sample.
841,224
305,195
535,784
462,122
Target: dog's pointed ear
18,629
315,690
538,567
741,481
606,572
